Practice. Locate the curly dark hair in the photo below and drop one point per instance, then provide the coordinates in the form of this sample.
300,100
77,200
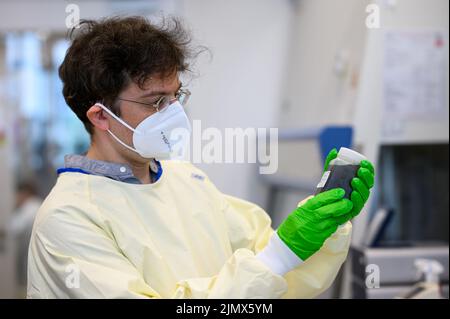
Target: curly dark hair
106,55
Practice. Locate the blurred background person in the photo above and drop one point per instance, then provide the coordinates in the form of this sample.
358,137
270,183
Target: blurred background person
20,225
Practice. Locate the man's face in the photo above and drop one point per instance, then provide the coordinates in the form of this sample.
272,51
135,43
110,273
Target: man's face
134,113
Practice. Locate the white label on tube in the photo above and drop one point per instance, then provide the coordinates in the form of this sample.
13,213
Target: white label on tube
324,179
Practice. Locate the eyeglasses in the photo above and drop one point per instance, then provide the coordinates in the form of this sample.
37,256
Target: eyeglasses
163,102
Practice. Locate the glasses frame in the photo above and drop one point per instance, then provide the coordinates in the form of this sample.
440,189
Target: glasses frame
182,96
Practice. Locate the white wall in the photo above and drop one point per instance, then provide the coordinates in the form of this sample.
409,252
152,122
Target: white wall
323,30
325,34
242,85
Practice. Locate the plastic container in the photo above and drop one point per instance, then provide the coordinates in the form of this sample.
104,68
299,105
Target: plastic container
341,171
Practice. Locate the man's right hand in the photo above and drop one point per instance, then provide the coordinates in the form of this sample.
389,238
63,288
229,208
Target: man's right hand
305,230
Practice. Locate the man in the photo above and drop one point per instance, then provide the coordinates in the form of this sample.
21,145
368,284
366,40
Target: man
121,224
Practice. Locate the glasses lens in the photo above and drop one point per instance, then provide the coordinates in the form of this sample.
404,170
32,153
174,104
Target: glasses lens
183,96
163,104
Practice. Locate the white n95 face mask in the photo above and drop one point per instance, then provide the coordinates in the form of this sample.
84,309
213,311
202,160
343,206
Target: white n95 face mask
162,135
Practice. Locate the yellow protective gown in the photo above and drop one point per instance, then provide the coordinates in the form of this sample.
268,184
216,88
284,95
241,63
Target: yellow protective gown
177,238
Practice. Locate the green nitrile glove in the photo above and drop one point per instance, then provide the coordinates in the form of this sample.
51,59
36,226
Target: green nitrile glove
361,185
331,156
305,230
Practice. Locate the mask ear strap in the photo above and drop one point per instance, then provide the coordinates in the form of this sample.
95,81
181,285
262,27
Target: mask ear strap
122,143
120,121
115,116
